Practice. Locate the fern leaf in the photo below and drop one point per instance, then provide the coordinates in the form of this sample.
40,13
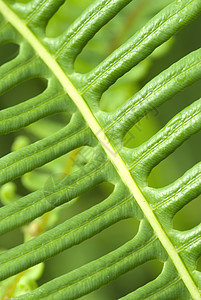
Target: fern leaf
78,95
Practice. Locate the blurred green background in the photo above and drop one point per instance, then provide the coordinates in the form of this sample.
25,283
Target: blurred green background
106,41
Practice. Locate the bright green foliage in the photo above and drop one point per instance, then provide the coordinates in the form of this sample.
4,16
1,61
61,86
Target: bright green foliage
100,135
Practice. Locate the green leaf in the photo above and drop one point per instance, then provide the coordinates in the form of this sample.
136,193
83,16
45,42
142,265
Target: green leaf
108,160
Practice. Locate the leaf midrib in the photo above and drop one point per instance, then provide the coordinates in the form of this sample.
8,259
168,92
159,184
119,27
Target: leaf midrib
114,157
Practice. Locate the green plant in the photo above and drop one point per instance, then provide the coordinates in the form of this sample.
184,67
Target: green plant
99,136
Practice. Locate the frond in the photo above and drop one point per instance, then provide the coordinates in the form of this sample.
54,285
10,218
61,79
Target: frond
79,95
